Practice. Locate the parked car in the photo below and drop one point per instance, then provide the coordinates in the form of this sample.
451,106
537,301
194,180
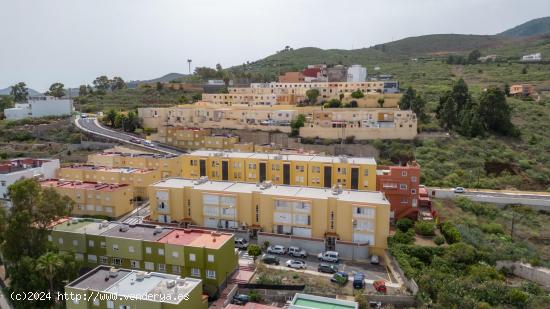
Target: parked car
241,243
270,259
375,259
327,268
329,256
277,249
148,143
380,286
240,299
359,281
340,277
459,190
135,140
296,264
297,252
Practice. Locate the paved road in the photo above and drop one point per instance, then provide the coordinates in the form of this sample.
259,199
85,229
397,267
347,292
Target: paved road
536,200
91,125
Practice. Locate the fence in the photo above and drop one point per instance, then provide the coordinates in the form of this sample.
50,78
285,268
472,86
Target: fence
398,273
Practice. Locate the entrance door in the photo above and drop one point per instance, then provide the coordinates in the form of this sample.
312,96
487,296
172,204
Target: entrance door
262,171
327,170
225,170
286,174
330,243
202,167
355,178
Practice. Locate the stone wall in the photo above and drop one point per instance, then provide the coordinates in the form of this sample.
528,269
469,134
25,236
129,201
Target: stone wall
540,275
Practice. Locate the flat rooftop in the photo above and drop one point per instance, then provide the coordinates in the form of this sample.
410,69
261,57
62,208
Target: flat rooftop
196,238
85,226
284,157
122,170
136,155
373,197
306,301
156,287
70,184
20,164
139,232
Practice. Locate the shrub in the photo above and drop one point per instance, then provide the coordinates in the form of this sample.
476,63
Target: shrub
461,253
492,228
425,228
358,94
402,237
439,240
404,224
450,232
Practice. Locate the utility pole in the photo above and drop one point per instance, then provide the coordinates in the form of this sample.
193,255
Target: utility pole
513,223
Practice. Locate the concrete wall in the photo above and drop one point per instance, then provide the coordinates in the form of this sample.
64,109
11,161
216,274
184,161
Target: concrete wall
502,198
539,275
360,133
311,245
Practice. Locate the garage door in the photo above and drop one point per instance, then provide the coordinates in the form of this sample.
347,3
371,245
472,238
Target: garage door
211,222
301,231
361,238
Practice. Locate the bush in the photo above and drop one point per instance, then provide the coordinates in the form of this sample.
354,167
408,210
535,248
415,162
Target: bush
439,240
402,237
450,232
425,228
492,228
404,224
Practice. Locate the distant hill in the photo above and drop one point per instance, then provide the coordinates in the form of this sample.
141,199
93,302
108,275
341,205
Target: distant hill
535,27
7,91
164,79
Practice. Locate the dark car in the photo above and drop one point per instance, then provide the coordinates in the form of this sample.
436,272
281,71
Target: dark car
270,259
240,299
327,268
135,140
340,277
359,281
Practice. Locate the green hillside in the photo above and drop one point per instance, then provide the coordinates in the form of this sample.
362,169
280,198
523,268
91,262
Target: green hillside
539,26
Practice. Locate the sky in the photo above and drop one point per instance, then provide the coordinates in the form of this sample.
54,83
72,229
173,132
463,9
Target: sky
74,41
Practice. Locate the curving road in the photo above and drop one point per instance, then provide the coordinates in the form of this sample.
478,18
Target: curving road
91,125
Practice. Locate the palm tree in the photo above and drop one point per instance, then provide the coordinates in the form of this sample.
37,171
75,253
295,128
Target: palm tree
49,263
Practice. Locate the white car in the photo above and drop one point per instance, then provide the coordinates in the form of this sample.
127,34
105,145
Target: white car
329,256
296,264
277,249
459,190
297,252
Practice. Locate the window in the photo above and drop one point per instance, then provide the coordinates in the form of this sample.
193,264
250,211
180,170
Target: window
103,260
134,264
176,269
75,242
414,179
131,249
90,243
60,241
148,250
404,173
257,213
175,254
210,274
110,304
115,247
211,258
413,191
96,302
365,212
161,267
195,272
124,307
50,238
332,220
103,245
403,186
192,257
366,173
161,251
149,266
79,256
116,261
92,258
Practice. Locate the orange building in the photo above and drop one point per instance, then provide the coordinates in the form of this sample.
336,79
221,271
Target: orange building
400,184
292,77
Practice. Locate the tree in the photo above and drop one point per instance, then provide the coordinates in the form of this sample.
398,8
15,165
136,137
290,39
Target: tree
254,251
507,89
495,111
357,94
473,56
471,124
183,99
102,83
110,117
19,92
404,224
56,90
413,101
446,112
296,124
334,103
120,120
312,95
219,67
381,102
82,90
159,86
131,122
196,97
117,83
5,102
49,264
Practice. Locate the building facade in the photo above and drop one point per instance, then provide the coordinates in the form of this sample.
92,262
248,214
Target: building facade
400,184
138,179
15,169
95,198
357,74
40,107
167,165
200,254
360,217
354,173
106,287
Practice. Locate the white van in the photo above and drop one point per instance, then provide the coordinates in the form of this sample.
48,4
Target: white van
329,256
241,243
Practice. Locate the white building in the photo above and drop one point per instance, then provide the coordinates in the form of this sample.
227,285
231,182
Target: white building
357,73
532,57
40,107
13,170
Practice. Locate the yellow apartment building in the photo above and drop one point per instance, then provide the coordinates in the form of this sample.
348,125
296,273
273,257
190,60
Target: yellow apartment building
360,217
194,138
139,179
244,147
316,171
167,165
94,198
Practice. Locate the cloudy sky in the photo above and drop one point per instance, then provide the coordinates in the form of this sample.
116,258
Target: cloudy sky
73,41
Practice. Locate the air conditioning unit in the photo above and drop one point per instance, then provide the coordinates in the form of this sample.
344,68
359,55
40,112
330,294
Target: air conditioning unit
336,189
140,275
158,230
265,185
171,284
113,272
343,159
201,180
